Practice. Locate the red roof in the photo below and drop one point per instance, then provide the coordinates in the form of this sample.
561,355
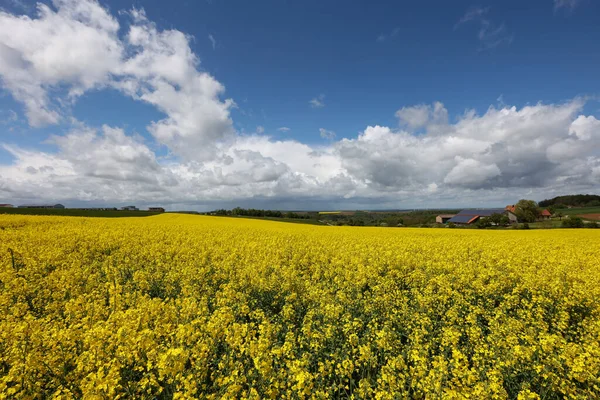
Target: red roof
473,219
546,213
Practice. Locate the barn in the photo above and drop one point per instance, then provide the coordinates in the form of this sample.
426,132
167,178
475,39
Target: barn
443,218
467,217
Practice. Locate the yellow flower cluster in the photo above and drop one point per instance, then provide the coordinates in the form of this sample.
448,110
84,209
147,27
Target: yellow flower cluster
180,306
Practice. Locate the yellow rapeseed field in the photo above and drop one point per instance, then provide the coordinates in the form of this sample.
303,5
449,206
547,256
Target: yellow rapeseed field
179,306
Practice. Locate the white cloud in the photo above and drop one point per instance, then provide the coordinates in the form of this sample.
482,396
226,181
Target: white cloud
213,42
504,153
111,155
89,165
260,129
318,102
163,72
76,46
284,129
471,173
585,128
414,117
504,148
326,134
422,115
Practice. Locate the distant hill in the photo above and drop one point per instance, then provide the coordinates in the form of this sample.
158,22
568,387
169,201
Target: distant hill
574,200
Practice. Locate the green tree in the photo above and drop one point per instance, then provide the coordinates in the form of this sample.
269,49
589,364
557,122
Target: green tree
573,222
499,219
526,210
483,223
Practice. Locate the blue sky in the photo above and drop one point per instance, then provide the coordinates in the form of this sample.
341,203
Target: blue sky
358,62
274,56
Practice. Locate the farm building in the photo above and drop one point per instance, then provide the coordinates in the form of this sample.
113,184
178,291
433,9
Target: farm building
6,206
156,209
443,218
42,206
467,217
130,208
545,214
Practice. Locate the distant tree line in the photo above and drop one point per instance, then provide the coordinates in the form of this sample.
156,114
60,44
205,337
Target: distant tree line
575,200
422,218
253,212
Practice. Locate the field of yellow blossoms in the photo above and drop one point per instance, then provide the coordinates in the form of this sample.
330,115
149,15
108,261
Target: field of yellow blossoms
181,306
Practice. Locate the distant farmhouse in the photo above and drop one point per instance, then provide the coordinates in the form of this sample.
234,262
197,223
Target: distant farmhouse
42,206
6,206
544,214
130,208
443,218
468,217
156,209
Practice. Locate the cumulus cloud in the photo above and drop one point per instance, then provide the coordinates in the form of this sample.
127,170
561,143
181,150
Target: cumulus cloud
109,155
585,128
421,116
163,72
471,173
104,165
76,46
530,147
506,151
